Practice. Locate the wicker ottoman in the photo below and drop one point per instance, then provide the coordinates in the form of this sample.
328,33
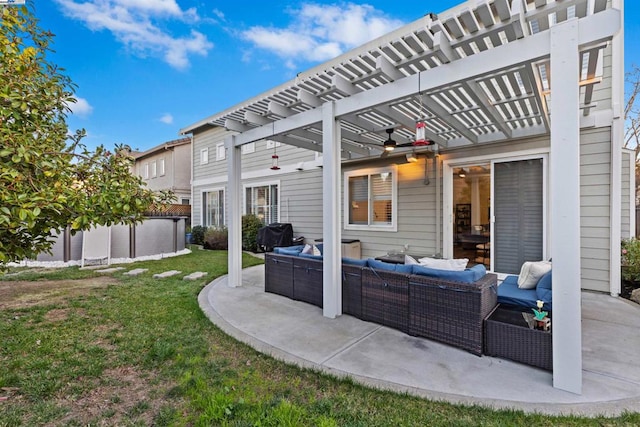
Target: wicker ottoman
507,335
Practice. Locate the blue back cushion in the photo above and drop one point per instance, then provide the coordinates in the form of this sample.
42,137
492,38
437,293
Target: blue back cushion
292,251
479,271
320,247
404,268
543,289
310,256
380,265
466,276
353,261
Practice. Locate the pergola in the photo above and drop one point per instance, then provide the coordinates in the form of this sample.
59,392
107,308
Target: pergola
484,72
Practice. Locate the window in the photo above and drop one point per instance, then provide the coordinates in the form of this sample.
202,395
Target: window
213,208
249,148
271,144
221,152
153,169
145,171
370,199
185,202
161,167
262,201
204,156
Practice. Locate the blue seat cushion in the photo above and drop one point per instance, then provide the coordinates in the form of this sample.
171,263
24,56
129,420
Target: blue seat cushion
509,293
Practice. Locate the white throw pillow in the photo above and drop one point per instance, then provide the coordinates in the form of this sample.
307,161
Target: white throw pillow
316,251
308,249
458,264
444,264
409,260
531,273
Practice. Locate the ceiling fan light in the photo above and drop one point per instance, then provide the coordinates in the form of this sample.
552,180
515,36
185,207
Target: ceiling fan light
389,146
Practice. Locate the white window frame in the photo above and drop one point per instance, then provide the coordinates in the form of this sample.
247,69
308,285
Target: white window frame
262,184
204,156
249,148
221,151
393,170
203,207
154,168
145,171
161,167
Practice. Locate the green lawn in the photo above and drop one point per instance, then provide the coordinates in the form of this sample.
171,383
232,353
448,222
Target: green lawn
77,348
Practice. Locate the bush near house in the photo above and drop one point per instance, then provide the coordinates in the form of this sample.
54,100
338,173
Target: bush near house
631,259
216,239
197,234
250,226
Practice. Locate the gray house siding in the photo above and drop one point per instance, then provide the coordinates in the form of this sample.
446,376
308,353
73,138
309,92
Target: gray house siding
595,206
416,224
213,175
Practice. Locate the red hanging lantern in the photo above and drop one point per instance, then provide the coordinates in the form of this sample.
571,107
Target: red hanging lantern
421,138
274,160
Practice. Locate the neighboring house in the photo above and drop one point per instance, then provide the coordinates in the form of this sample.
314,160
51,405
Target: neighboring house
167,167
523,101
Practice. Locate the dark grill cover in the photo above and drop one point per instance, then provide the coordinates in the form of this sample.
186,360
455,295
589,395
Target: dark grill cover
275,235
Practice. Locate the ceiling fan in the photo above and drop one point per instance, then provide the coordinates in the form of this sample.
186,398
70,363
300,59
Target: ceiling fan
389,144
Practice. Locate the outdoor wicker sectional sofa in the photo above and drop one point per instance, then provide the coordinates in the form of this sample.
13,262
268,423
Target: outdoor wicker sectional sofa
448,309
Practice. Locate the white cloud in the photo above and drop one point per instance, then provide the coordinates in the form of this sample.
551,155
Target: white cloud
136,24
321,32
219,14
166,118
81,107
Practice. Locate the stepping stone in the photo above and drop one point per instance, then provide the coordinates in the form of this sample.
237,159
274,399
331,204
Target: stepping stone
110,270
166,274
136,271
195,276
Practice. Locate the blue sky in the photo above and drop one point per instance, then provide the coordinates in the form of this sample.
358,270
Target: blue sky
146,68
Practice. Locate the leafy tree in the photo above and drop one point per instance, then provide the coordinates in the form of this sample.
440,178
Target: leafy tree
49,180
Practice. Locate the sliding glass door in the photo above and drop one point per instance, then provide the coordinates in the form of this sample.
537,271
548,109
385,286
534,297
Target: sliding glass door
518,214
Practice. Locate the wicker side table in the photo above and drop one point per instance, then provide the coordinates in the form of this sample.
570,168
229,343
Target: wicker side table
507,335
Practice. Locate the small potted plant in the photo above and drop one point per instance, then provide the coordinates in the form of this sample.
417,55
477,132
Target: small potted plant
542,321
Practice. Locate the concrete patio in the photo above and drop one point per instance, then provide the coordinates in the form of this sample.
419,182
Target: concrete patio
381,357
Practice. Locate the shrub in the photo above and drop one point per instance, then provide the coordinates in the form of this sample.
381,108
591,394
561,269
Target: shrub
216,238
250,226
631,259
197,234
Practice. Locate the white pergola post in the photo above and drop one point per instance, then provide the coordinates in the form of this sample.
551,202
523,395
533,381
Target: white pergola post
331,218
234,194
617,137
565,206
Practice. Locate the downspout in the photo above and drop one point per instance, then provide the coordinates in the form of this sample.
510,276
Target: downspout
192,201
